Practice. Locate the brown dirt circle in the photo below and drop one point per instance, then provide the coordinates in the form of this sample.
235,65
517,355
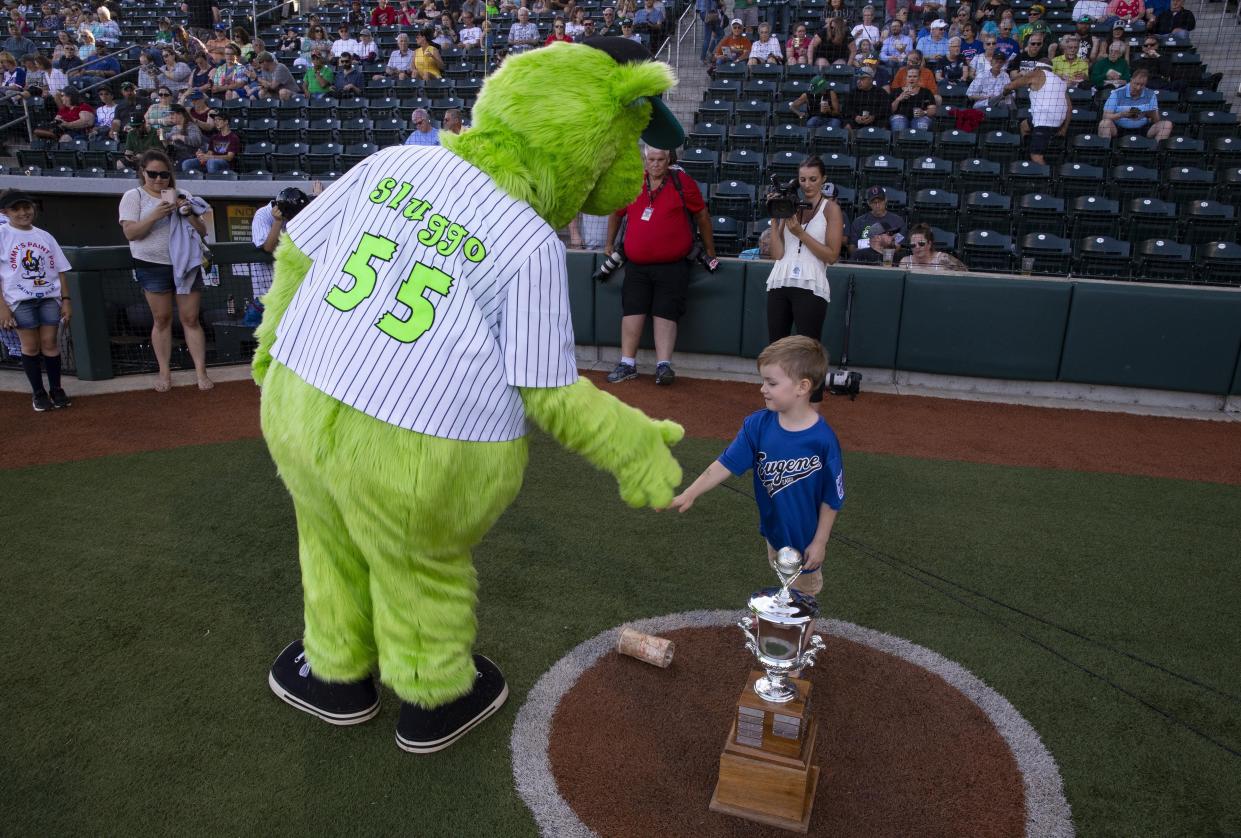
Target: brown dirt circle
635,749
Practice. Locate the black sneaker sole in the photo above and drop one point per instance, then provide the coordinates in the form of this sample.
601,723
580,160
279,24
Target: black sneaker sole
432,746
341,719
664,381
629,377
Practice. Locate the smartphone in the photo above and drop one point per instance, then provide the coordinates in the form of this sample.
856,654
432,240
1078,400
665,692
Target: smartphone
168,196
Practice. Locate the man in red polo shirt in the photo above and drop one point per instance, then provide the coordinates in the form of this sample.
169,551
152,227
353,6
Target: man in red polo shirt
658,238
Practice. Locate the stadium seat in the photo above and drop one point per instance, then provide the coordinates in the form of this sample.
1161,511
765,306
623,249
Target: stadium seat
1219,263
1183,151
288,157
747,135
1207,221
987,210
1051,254
727,234
733,198
764,90
841,168
987,250
1165,260
1136,150
1228,187
257,130
1076,179
356,153
744,164
1150,218
715,110
1102,256
871,141
928,173
789,137
945,240
700,163
388,131
785,164
882,170
824,140
1091,149
956,145
756,111
1094,216
1188,183
975,175
354,131
1000,146
912,143
320,109
1226,153
226,174
256,175
1040,213
1209,126
1025,176
1129,182
708,135
67,154
937,207
1083,122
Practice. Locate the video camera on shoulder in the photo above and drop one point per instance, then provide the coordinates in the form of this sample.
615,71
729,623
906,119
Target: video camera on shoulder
784,199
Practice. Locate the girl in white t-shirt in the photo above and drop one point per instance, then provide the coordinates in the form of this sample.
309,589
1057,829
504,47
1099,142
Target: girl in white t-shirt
33,301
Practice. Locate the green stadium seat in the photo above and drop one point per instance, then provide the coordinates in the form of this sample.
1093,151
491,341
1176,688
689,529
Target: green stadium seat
1183,151
1000,146
987,250
987,210
937,207
883,170
1094,216
744,164
928,173
785,164
1102,256
1076,179
1091,149
1208,221
1130,181
1188,183
1040,213
1219,263
1051,254
1164,260
978,175
956,145
700,163
1150,218
1025,176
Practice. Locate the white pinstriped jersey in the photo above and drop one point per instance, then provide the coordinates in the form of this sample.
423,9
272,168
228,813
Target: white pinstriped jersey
432,297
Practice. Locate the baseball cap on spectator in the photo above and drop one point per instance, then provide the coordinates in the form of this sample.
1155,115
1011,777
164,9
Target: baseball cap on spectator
1039,8
885,225
129,85
876,192
626,22
13,197
737,22
364,32
1085,19
939,24
196,95
221,27
1118,25
866,71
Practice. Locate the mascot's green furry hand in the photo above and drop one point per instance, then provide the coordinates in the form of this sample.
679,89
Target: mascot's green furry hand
613,436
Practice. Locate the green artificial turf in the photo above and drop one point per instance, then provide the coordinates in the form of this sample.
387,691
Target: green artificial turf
144,597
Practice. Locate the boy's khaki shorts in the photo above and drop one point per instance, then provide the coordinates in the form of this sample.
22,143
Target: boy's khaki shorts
809,583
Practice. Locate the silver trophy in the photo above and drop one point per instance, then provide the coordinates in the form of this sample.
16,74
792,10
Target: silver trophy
778,630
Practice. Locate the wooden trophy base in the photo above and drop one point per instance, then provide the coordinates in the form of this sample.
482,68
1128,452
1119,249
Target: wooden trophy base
765,774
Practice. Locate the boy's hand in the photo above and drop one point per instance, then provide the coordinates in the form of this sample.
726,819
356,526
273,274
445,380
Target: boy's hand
66,311
813,557
7,320
682,502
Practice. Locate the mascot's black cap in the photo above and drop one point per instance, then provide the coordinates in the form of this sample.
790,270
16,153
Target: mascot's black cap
663,131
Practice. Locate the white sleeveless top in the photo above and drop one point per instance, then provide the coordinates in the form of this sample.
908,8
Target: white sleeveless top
1047,104
799,267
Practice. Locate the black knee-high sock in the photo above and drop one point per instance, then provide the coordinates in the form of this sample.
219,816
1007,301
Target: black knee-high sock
34,371
51,363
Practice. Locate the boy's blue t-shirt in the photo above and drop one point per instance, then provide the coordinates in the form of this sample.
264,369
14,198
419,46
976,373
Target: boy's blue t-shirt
794,472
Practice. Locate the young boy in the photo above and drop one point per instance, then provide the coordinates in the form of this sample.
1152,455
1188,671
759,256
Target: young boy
31,296
799,480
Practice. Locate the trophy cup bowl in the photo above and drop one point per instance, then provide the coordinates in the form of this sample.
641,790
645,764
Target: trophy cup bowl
778,631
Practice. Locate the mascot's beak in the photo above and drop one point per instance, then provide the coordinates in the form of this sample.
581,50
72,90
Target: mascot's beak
664,130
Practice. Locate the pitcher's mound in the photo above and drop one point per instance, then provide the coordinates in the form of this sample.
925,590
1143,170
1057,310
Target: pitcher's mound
634,749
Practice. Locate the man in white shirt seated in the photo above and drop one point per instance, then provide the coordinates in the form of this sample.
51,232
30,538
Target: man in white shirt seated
470,35
345,44
989,84
766,47
399,62
424,132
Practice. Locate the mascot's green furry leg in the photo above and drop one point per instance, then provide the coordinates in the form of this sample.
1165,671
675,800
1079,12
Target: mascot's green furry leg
386,520
386,515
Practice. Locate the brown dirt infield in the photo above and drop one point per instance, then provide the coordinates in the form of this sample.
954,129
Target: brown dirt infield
635,749
916,426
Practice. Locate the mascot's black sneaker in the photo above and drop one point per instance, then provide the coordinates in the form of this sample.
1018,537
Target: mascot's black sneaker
338,704
422,731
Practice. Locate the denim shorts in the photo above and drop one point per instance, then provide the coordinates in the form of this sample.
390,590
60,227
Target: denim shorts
158,278
31,314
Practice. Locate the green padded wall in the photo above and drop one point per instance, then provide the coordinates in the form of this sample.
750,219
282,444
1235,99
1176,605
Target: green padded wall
582,295
1153,336
712,321
876,313
983,326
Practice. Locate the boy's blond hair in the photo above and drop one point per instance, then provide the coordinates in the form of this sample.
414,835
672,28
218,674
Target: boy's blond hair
799,356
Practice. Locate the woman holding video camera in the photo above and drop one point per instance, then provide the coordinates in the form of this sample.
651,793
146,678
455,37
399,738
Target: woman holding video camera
803,245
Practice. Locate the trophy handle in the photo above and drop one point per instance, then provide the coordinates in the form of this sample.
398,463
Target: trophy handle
746,624
810,655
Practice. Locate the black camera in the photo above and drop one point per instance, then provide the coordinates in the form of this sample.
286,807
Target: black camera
610,264
784,200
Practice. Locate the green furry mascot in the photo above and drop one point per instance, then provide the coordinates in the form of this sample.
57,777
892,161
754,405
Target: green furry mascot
419,315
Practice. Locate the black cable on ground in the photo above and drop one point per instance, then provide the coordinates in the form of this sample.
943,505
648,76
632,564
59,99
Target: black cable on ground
910,570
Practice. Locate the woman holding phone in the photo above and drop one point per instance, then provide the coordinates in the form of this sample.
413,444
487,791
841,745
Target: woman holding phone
146,219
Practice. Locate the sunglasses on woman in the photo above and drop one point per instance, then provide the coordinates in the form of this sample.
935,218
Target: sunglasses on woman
162,175
919,244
